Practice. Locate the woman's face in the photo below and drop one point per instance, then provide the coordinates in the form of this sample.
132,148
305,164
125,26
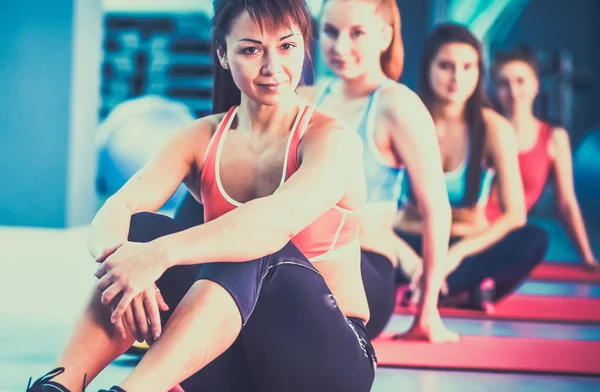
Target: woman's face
454,72
516,86
265,65
353,35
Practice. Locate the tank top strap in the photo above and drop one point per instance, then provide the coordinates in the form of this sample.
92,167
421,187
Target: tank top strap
545,133
370,119
323,92
213,145
225,123
298,131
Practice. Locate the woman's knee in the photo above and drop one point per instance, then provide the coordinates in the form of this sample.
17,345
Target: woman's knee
100,314
290,253
147,226
218,299
541,238
277,273
536,239
190,212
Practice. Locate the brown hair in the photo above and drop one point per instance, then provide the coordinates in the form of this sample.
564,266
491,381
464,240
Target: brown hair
269,14
441,35
392,59
523,54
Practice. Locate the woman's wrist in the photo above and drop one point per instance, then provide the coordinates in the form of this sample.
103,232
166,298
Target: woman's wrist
166,252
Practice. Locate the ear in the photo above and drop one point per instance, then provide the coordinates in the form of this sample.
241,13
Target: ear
387,35
222,54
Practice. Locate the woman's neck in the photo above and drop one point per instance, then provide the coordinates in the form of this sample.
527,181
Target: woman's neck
362,85
522,120
449,112
262,119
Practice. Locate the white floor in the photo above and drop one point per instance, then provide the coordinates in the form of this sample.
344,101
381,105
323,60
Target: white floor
45,278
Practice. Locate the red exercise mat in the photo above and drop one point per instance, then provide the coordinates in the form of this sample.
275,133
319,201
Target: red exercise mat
532,308
564,272
488,353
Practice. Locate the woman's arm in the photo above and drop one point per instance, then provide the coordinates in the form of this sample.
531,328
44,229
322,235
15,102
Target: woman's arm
410,262
148,189
502,149
415,140
331,160
566,200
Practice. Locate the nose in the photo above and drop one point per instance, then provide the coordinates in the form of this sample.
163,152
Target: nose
456,75
511,89
272,63
342,45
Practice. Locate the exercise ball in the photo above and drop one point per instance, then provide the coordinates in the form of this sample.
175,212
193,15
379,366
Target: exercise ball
133,132
586,174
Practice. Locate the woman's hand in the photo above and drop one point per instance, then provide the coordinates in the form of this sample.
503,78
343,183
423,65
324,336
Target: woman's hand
108,247
128,271
456,255
142,317
412,266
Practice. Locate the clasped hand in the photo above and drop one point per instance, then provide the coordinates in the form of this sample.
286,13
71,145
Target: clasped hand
127,276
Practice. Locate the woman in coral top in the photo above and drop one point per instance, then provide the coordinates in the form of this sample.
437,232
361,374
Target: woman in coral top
543,149
267,294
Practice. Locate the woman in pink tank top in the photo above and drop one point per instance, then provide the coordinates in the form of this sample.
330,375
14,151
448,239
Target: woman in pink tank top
267,294
543,149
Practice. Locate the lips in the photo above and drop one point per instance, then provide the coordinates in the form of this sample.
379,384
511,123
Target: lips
338,63
270,85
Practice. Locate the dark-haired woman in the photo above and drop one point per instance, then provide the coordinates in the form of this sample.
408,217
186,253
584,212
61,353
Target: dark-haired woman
544,150
486,262
267,294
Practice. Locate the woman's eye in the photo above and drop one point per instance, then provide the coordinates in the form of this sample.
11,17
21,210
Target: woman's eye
250,50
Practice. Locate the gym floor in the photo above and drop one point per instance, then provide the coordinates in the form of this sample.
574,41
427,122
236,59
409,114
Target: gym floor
47,273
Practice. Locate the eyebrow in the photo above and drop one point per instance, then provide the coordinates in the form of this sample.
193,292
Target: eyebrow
358,26
260,43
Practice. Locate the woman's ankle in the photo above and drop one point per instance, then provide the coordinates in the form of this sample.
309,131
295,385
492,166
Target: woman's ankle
54,381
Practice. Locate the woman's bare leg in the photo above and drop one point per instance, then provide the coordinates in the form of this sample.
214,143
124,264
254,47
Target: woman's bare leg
203,326
94,344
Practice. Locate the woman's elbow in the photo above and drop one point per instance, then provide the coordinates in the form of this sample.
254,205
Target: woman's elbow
287,234
274,225
518,218
287,226
272,238
566,206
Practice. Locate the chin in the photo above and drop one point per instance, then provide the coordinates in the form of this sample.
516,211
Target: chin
522,104
452,99
460,100
346,74
511,108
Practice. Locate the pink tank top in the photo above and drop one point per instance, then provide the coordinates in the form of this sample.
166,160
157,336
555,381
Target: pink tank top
332,230
534,165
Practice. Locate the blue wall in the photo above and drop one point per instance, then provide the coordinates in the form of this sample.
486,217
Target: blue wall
567,26
49,67
41,116
415,26
544,24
